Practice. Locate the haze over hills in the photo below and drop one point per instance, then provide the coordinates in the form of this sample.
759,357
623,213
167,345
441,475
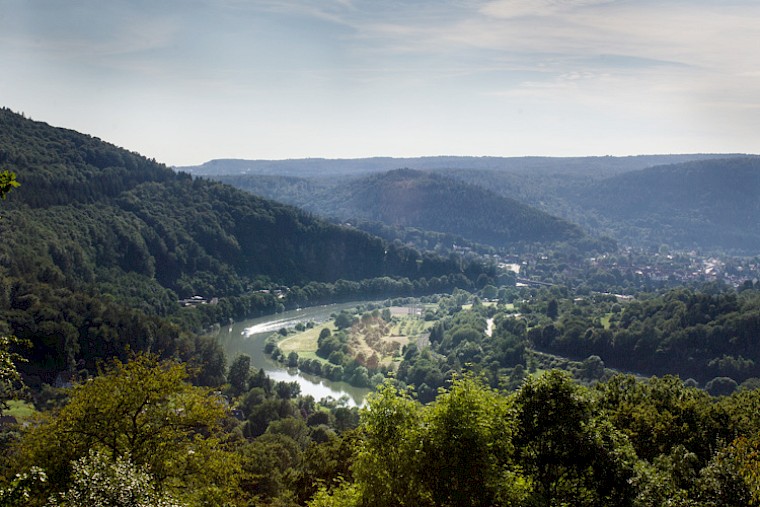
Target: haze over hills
321,167
417,205
703,204
619,197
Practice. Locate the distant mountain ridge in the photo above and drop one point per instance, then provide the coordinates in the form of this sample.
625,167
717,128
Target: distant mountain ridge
320,167
589,191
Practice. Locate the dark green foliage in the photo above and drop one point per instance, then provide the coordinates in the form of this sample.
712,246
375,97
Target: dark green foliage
662,413
692,333
240,372
575,455
99,244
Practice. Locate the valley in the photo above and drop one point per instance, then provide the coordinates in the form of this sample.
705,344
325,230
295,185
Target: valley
210,344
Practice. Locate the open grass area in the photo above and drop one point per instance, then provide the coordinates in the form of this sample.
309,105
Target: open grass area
20,409
606,320
484,303
370,336
305,341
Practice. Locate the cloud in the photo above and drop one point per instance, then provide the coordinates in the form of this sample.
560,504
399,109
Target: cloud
338,67
507,9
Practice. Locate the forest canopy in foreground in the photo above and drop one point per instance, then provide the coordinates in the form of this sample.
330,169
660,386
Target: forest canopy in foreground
140,433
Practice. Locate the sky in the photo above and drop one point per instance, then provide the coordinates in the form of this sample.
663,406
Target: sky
187,81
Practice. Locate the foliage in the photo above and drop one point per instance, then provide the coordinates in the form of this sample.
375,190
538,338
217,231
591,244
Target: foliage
382,465
456,451
239,373
103,243
143,411
10,379
7,183
460,343
100,480
699,334
20,490
575,455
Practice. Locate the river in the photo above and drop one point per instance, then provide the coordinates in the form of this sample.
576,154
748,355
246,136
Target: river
249,337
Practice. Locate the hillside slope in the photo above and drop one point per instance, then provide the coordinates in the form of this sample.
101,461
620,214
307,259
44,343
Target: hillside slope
100,243
429,201
701,204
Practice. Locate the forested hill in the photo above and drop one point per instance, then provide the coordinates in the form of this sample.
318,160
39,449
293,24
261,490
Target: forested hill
99,243
107,207
429,201
708,203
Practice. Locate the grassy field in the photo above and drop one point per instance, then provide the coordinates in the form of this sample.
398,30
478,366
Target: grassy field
507,306
368,337
20,409
305,341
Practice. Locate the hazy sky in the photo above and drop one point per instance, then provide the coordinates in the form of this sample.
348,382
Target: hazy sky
191,80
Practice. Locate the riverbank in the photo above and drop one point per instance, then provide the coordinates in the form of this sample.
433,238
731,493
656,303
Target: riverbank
362,346
249,337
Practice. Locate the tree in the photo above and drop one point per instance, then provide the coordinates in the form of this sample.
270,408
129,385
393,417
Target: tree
100,480
383,466
552,309
20,490
240,372
732,478
344,320
7,183
9,375
10,379
467,451
572,454
146,412
721,386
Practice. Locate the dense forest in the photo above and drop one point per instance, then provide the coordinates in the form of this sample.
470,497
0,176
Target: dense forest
101,244
139,434
425,201
703,335
703,204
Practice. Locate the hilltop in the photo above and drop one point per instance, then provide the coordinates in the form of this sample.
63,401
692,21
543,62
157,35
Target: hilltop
424,200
